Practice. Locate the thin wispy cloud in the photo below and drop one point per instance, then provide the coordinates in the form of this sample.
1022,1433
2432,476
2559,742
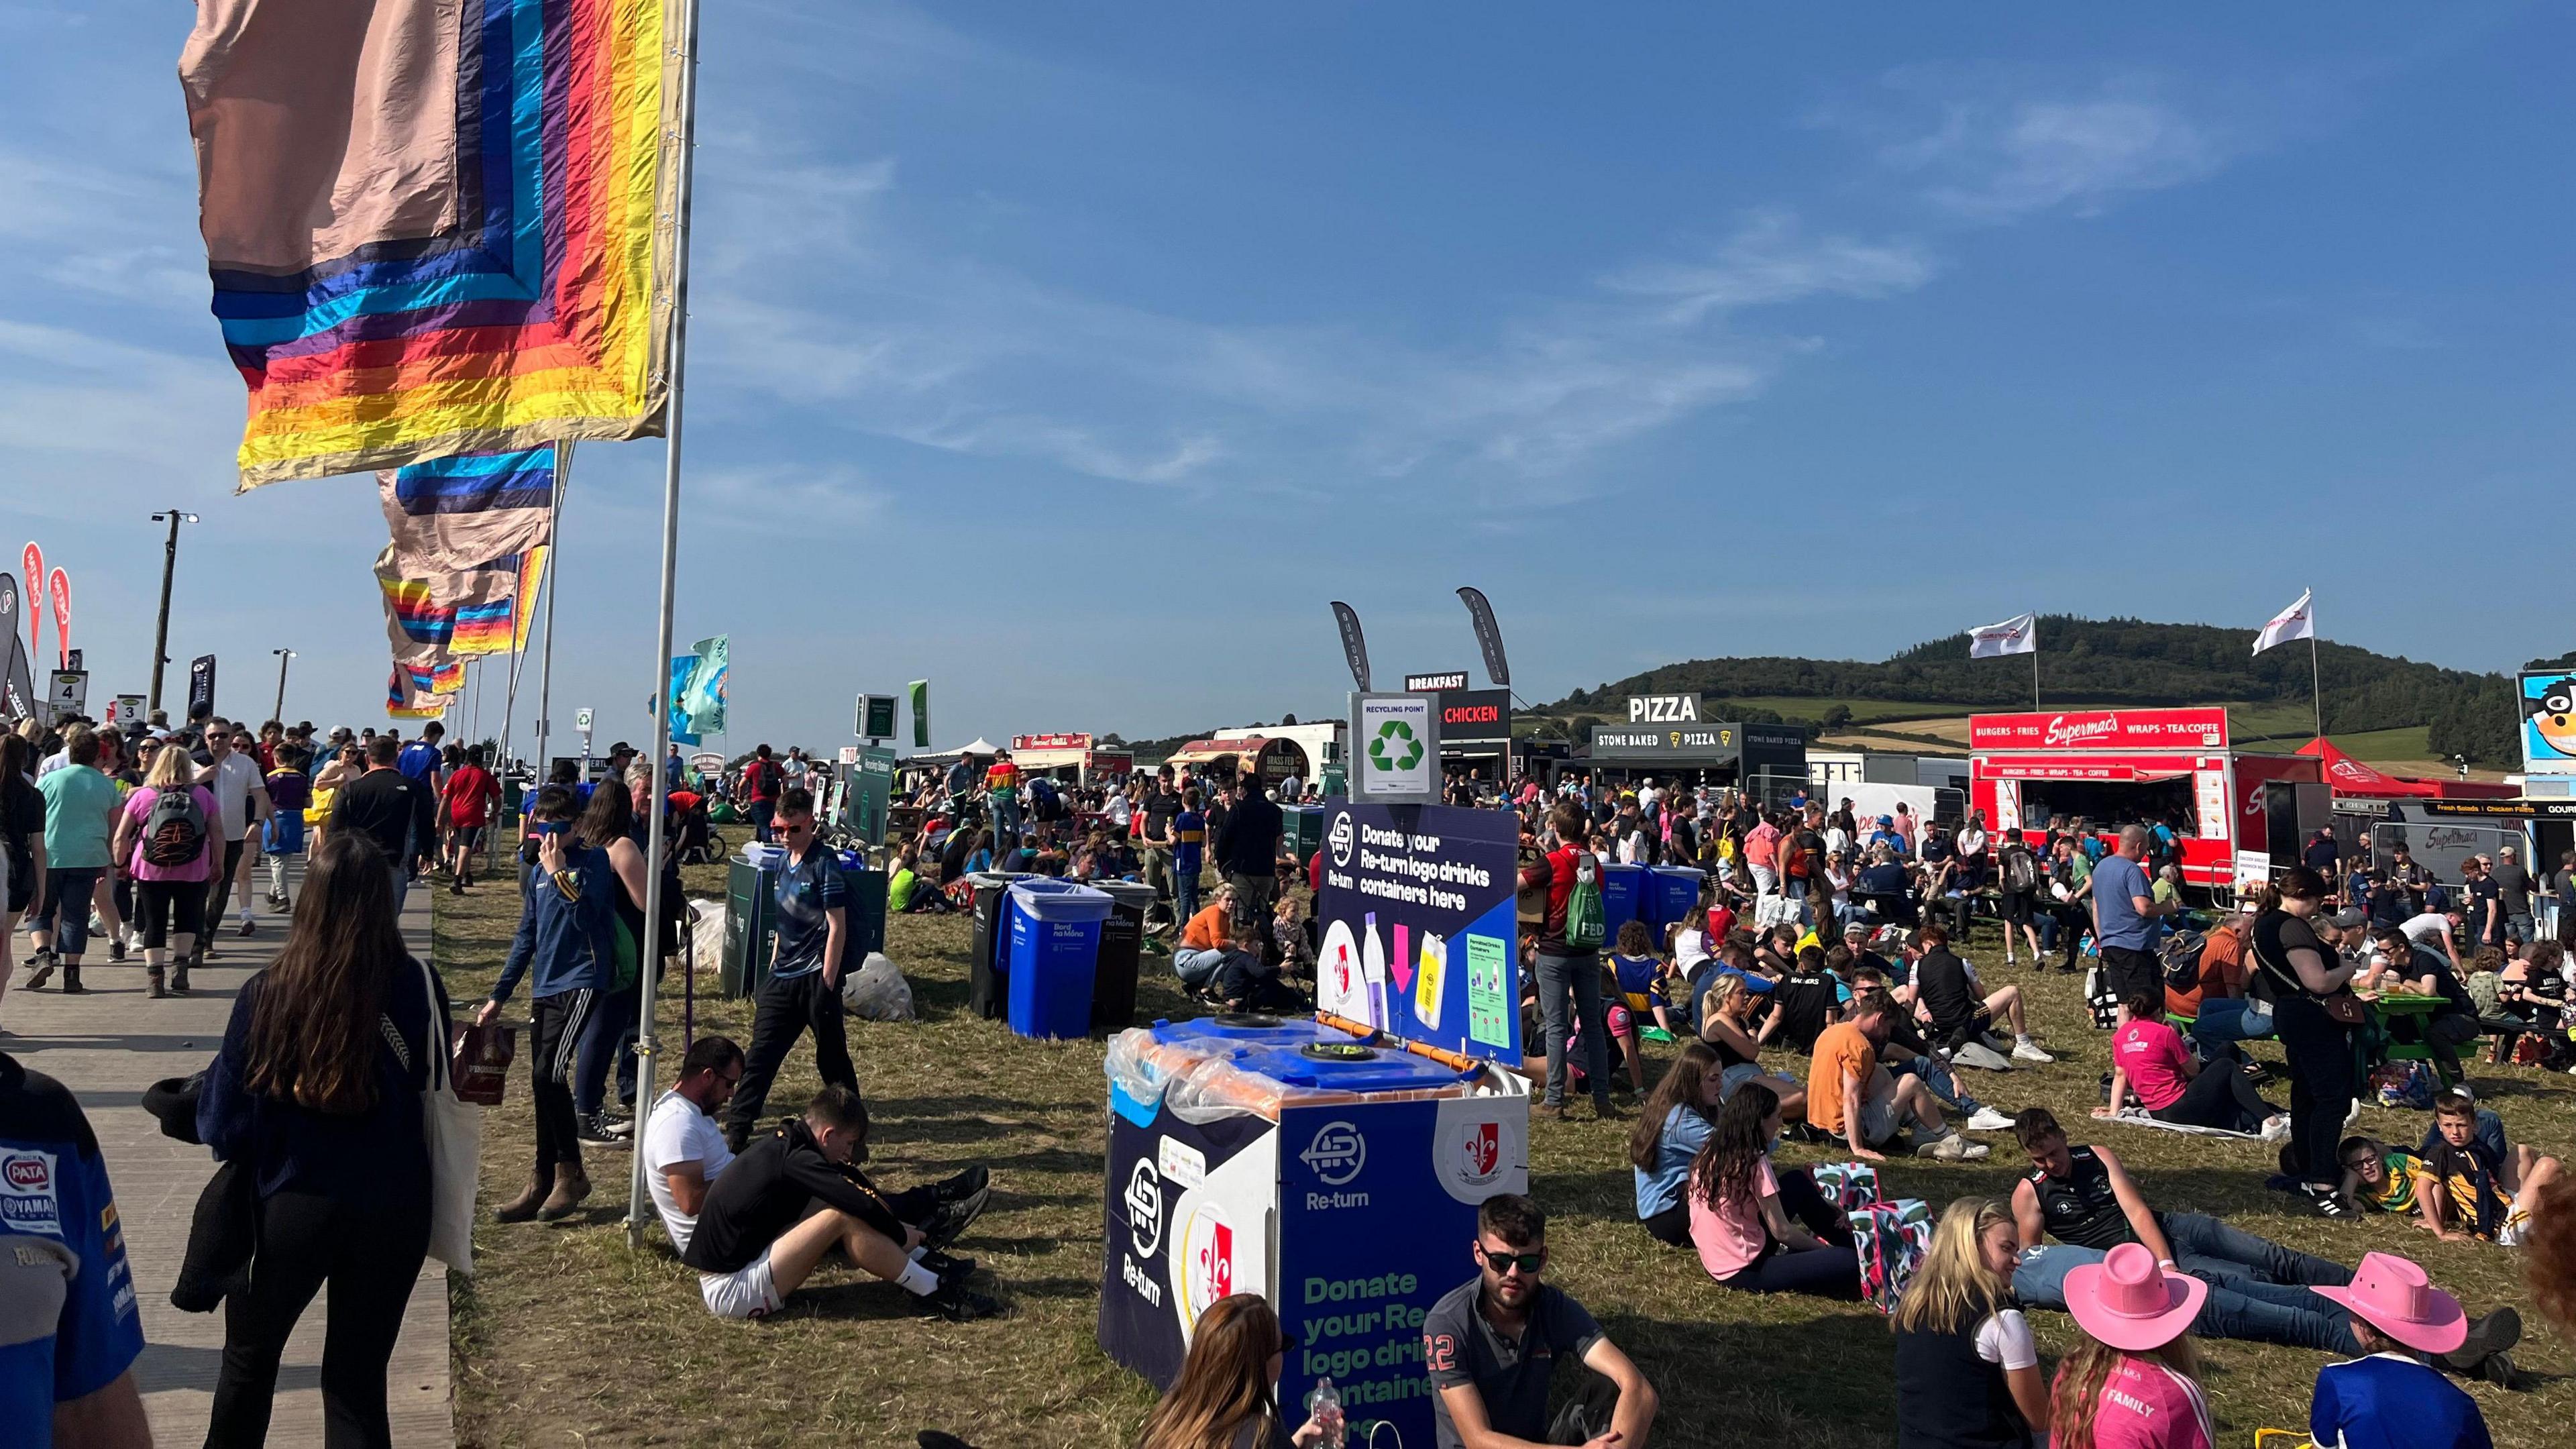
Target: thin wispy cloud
1998,144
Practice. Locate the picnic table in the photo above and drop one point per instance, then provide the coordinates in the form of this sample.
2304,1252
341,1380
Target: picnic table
2389,1006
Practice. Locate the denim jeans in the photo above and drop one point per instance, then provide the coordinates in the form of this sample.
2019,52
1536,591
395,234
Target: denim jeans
1006,819
1579,977
1199,966
2226,1020
1936,1075
402,892
64,910
1185,894
2246,1309
2212,1251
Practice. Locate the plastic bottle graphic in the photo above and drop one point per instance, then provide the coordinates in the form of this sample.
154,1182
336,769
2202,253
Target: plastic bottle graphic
1434,970
1373,970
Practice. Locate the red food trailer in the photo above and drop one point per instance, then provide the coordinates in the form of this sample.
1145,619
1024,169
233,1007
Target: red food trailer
2118,766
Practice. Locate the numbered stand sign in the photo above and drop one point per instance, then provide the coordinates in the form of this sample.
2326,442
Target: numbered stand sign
70,693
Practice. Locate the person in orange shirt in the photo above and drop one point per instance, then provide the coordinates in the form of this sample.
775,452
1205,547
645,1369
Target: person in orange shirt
1002,788
1208,942
1852,1095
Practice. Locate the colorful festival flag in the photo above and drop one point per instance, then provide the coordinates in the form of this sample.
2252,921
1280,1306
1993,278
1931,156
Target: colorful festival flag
422,693
472,612
704,697
435,226
452,514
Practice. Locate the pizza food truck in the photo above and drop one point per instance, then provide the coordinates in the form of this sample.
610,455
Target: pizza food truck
1071,758
2116,767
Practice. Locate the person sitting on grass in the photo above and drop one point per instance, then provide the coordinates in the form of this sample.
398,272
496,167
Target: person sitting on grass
1209,940
1853,1096
1639,974
1671,1128
1740,1208
1948,991
2471,1189
1491,1347
1967,1367
2148,1057
1731,1033
2133,1383
1246,982
2393,1399
1227,1394
754,1241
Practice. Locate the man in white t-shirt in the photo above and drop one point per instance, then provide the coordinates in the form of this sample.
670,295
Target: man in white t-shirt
684,1146
241,801
2432,931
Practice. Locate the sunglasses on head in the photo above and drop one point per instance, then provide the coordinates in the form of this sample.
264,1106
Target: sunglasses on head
1504,1263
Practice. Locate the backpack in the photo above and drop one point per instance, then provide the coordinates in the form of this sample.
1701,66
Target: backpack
1585,924
2021,873
2182,951
1042,794
174,830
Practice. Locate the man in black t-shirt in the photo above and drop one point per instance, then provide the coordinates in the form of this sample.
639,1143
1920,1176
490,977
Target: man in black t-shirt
1491,1347
1161,807
2453,1024
2513,890
2484,905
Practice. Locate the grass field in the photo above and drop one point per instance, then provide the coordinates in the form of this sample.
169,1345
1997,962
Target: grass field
567,1336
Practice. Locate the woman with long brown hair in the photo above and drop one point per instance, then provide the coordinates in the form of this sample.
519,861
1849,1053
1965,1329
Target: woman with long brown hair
2134,1381
316,1094
1226,1396
1671,1128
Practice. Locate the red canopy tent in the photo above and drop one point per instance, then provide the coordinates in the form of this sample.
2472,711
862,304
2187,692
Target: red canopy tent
2349,776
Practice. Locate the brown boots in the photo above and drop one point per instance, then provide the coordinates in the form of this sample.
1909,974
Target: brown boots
551,1193
571,1186
523,1207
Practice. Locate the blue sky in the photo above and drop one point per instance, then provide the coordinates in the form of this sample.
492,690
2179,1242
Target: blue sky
1075,360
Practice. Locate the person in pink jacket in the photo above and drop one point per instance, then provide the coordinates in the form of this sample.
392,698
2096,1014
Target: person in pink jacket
153,846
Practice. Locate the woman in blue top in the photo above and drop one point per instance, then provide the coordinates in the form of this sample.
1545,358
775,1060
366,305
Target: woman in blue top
316,1095
1671,1128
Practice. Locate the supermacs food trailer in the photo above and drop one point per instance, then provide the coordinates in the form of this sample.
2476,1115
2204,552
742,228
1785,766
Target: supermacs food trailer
2115,767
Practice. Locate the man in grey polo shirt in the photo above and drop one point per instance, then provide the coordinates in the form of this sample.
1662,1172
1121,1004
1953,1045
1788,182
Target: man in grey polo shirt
1492,1345
2124,906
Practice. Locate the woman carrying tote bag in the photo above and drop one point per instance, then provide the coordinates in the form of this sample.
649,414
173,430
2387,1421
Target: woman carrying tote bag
320,1094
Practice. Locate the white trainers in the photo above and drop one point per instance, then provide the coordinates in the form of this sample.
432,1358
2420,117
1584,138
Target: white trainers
2029,1052
1952,1148
1989,1120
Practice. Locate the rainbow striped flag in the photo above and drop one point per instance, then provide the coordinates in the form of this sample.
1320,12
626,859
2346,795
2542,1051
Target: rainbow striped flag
452,514
435,226
415,693
500,625
470,612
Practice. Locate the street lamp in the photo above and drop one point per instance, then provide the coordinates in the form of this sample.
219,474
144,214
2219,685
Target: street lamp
279,714
161,630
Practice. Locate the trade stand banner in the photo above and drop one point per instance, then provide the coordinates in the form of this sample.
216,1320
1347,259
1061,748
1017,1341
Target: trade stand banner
2548,722
2101,729
1417,917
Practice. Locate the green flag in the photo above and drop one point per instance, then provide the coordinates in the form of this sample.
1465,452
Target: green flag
919,690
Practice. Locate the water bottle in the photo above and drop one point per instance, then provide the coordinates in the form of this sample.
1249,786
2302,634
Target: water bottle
1326,1406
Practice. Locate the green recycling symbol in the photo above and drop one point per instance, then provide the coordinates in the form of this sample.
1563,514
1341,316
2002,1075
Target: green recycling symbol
1406,750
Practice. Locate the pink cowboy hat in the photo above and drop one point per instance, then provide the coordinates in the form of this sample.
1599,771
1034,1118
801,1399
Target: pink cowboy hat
2397,1299
2128,1302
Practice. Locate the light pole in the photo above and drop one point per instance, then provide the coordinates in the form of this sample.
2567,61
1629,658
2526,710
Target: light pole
279,714
161,630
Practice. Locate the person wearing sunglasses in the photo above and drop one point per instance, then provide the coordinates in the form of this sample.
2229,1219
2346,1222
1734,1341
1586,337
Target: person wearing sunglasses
804,986
1491,1347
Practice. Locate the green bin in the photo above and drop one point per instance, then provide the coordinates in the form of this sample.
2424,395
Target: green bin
749,900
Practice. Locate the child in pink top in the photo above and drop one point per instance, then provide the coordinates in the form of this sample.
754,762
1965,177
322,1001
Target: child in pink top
2146,1405
2129,1384
2148,1057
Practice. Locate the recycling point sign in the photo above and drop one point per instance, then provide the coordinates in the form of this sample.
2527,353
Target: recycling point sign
1395,744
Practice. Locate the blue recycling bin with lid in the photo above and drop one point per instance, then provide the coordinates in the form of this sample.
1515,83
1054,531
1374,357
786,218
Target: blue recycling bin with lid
1623,897
1672,893
1054,950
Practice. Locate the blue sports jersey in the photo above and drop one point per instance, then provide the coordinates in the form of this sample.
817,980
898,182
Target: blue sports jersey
68,1320
2390,1401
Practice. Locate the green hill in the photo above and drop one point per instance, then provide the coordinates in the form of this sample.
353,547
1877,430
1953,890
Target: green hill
2126,662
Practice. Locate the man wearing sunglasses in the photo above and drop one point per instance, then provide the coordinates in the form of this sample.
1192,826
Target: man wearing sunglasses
804,986
1492,1345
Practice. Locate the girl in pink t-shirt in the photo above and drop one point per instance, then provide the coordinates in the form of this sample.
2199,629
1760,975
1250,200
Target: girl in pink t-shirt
2148,1058
2131,1385
169,899
1737,1222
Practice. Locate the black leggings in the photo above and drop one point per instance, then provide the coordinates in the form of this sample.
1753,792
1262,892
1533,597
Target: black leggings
369,1249
1800,1198
2221,1097
2319,1050
166,905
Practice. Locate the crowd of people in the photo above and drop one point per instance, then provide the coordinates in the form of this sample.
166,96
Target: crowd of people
1818,939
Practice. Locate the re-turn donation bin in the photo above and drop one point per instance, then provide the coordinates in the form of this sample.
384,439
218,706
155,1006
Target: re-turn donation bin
1623,898
1672,894
1053,955
1336,1179
1122,943
987,991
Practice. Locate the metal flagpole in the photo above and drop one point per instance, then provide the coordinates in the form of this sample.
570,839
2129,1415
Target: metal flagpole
2316,674
546,655
509,713
685,51
2034,681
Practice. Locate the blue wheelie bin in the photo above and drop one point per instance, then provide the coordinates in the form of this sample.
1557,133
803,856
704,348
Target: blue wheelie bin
1623,897
1054,952
1672,894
